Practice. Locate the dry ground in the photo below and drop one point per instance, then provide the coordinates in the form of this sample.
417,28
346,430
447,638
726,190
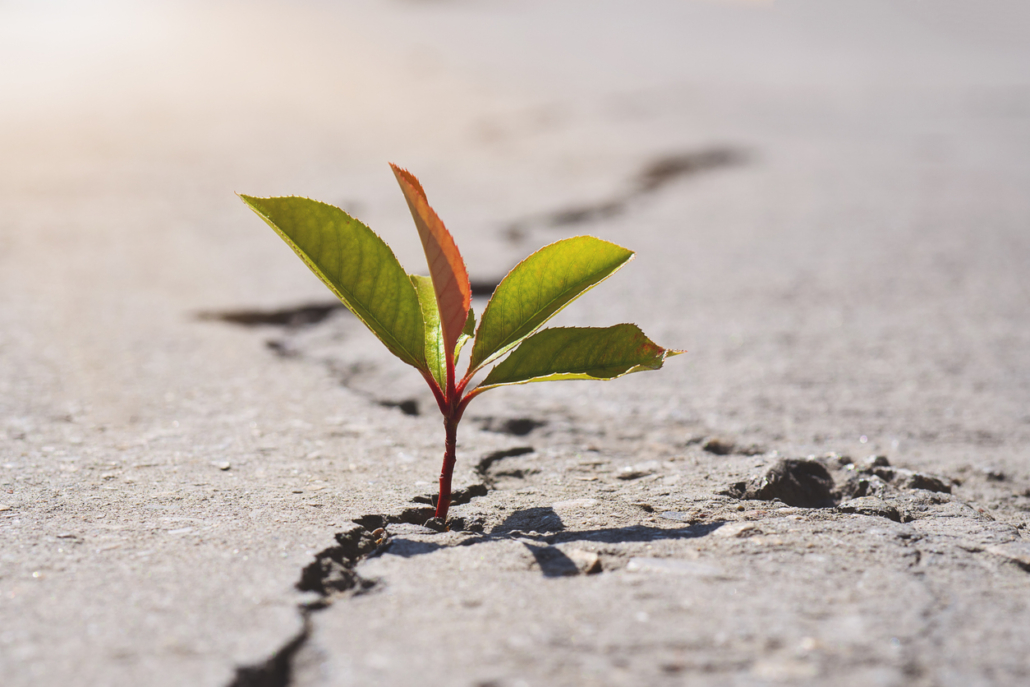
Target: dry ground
829,204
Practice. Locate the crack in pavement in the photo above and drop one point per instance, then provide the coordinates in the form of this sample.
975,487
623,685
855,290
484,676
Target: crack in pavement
293,317
276,671
332,576
651,178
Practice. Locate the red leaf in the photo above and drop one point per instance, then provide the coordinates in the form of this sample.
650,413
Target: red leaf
446,267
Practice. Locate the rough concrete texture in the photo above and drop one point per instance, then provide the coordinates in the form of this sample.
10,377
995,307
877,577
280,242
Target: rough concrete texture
829,203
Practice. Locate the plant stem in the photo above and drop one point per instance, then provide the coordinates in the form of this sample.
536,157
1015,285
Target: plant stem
443,501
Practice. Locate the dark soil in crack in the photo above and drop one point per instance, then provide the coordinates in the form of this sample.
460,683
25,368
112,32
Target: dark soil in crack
651,178
276,671
514,426
297,316
786,507
332,576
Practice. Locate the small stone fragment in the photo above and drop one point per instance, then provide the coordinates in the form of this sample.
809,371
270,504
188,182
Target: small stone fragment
840,460
994,475
795,482
436,524
222,464
857,485
628,475
877,462
906,479
631,472
476,524
587,562
553,561
738,530
720,446
886,474
870,505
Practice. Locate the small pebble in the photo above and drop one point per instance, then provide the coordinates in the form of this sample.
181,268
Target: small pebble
877,462
222,465
918,480
587,562
741,530
631,472
994,475
719,446
436,524
870,505
795,482
841,460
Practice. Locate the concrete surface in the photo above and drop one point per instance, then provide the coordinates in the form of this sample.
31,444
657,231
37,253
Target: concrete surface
829,204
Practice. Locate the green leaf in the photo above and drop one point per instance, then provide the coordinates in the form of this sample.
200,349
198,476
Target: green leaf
578,353
538,288
356,265
436,354
467,332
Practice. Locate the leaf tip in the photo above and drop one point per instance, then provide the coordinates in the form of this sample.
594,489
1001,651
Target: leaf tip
404,176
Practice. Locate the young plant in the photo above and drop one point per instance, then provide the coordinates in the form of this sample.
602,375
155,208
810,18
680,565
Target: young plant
426,321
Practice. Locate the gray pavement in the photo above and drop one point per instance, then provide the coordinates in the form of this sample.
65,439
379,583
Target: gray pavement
829,204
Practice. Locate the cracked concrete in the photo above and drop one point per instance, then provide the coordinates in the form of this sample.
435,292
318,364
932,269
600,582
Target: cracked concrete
191,436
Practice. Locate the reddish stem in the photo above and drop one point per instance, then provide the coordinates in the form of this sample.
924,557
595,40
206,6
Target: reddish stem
437,393
450,406
443,501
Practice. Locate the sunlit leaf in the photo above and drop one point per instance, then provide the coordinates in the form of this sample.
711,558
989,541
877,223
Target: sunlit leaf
435,353
540,286
356,265
466,334
446,267
578,353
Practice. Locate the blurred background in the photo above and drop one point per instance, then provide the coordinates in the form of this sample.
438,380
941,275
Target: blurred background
817,191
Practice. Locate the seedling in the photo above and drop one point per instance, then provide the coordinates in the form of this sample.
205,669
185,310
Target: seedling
426,321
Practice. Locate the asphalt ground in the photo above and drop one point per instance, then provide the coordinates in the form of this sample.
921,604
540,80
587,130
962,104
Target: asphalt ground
830,212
